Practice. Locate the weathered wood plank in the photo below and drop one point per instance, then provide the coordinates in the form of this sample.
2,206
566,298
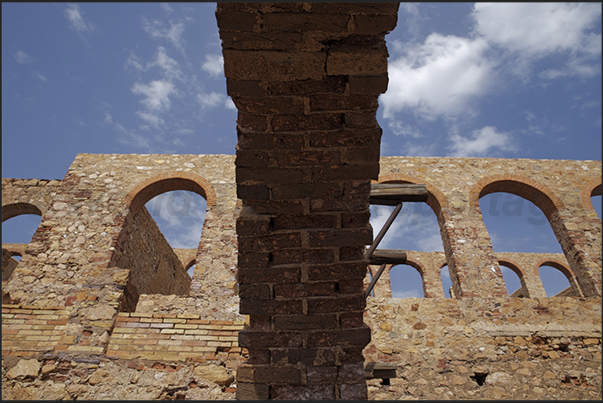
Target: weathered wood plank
391,194
388,256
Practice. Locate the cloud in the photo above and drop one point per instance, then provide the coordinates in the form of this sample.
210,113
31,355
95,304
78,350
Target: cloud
214,64
416,228
529,32
157,94
22,57
536,28
437,78
406,294
481,143
76,20
40,76
173,33
166,7
214,99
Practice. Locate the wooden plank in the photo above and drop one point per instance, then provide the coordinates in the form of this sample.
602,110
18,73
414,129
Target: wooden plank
380,370
391,194
388,256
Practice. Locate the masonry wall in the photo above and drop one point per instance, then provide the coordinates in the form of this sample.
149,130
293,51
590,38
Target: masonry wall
143,250
66,324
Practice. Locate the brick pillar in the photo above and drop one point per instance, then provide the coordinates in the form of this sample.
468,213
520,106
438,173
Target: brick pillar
305,78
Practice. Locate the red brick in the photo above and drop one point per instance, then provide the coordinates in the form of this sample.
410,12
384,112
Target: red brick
279,275
318,121
359,337
340,237
293,256
272,375
283,221
303,322
269,242
259,340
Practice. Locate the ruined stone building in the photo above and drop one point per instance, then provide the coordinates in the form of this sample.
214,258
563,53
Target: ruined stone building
101,307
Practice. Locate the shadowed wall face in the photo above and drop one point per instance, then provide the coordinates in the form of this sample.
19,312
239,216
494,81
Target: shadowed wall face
305,79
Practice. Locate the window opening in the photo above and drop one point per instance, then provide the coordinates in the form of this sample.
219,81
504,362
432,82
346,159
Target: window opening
512,280
553,280
20,229
596,201
517,225
408,282
179,214
446,281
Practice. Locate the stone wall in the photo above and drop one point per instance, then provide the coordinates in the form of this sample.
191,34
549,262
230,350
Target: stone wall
142,249
70,304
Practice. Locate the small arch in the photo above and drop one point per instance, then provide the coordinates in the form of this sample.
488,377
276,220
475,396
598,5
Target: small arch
511,282
526,188
16,209
435,199
446,281
553,282
149,188
591,188
407,284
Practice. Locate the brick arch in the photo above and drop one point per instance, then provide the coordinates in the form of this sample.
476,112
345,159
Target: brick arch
190,264
16,209
415,265
520,186
567,272
508,263
436,199
166,182
589,189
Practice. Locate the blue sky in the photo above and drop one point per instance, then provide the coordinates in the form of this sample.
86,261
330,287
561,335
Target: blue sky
515,80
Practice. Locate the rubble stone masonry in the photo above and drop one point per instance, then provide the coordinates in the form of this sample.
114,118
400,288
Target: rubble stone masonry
101,307
66,312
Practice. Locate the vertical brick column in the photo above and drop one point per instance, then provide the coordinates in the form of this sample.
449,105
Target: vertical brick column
305,78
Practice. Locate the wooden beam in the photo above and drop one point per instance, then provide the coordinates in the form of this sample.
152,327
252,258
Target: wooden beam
391,194
388,256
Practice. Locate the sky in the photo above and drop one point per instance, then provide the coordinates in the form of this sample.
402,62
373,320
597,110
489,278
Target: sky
499,80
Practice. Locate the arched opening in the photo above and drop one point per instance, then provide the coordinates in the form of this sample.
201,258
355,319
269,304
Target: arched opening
517,225
512,277
406,282
446,281
554,280
20,229
416,228
596,202
19,224
179,215
161,228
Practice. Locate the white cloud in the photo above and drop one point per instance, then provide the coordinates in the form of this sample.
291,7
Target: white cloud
22,57
169,65
166,7
157,94
530,31
229,104
173,33
214,64
481,142
401,129
406,294
437,78
536,28
40,76
212,100
76,19
152,119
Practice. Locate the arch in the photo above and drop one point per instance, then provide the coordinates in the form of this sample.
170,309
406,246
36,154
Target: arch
538,194
589,189
166,182
567,272
419,271
435,199
16,209
522,290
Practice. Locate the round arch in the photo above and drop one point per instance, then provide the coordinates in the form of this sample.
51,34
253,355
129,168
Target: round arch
589,189
16,209
538,194
512,266
435,199
166,182
567,272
